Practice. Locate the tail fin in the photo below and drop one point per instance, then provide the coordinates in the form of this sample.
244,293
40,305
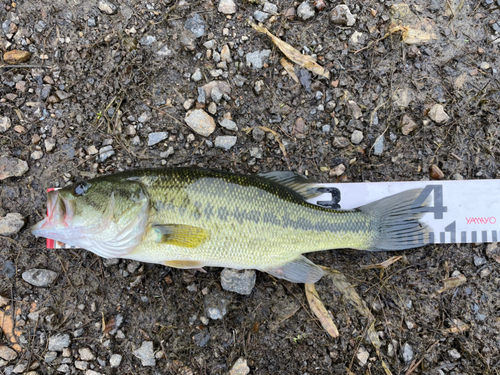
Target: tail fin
396,220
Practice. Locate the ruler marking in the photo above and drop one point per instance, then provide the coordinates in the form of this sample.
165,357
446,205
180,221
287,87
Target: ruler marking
494,235
464,237
431,237
485,236
474,236
441,237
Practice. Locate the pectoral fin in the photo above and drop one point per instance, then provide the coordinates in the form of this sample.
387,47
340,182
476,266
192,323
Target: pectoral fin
300,270
180,235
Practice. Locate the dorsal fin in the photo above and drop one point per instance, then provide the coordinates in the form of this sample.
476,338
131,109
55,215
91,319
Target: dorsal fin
294,181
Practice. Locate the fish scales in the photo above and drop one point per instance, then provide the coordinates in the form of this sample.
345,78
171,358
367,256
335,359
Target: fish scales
190,218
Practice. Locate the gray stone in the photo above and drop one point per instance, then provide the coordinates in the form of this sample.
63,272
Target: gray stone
115,360
261,16
7,353
166,154
196,24
407,353
326,128
212,108
91,22
225,141
340,142
200,121
63,368
305,11
270,8
202,95
197,76
4,124
188,40
144,117
341,15
58,342
36,155
479,261
81,365
147,40
215,305
106,152
257,88
227,7
378,147
92,372
11,224
86,354
437,114
257,59
154,138
50,143
107,7
454,354
146,354
229,125
356,137
62,94
362,355
238,281
216,94
40,277
354,109
239,80
240,367
20,368
165,51
50,357
258,134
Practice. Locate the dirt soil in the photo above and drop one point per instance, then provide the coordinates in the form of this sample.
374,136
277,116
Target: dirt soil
97,80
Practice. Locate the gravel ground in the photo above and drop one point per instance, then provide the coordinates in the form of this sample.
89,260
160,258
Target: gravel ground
101,87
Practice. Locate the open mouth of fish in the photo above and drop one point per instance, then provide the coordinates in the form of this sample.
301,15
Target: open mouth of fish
60,212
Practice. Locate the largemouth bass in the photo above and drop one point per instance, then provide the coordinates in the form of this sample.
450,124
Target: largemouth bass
191,218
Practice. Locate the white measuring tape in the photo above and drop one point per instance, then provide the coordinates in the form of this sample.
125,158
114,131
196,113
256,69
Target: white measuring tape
459,211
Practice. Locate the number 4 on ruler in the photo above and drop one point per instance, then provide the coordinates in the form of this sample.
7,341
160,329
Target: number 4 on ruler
438,209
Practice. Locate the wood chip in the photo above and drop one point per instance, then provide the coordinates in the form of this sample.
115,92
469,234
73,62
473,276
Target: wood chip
320,311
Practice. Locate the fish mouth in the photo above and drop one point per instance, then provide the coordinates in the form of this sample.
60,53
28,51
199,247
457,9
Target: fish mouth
60,212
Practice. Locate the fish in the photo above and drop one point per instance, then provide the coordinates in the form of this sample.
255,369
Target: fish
194,218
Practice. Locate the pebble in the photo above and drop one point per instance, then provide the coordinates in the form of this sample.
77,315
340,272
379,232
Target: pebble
16,56
340,142
305,11
484,65
354,109
144,117
20,368
115,360
37,155
212,108
341,15
407,353
7,353
86,354
154,138
197,76
196,24
107,7
257,88
40,277
4,124
257,59
227,7
261,16
50,143
146,354
378,147
240,367
408,125
201,339
215,306
11,224
188,104
200,121
81,365
478,261
202,95
337,171
258,134
50,357
92,372
225,54
62,94
454,354
362,355
165,51
229,125
435,172
188,39
437,114
225,141
216,94
58,342
270,8
356,137
106,152
238,281
147,40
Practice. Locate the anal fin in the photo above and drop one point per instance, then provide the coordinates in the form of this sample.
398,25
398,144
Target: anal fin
180,235
300,270
184,264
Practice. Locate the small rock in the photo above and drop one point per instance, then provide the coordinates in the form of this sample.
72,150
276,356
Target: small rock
270,8
40,277
58,342
454,354
92,372
484,65
240,367
200,121
340,142
12,167
92,150
50,143
408,125
197,76
225,54
290,14
362,356
16,56
115,360
229,125
107,7
257,59
319,4
261,16
188,40
478,261
407,353
20,368
81,365
144,117
146,354
86,354
154,138
337,171
62,94
212,108
257,88
37,155
7,353
225,141
354,109
106,152
378,147
435,172
216,94
341,15
305,11
11,224
238,281
356,137
91,22
165,51
188,104
215,306
147,40
196,24
4,124
227,7
437,114
50,357
202,95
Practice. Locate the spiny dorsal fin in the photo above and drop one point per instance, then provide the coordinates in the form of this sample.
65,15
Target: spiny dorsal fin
180,235
294,181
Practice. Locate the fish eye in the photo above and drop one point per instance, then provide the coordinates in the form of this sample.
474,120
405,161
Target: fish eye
81,189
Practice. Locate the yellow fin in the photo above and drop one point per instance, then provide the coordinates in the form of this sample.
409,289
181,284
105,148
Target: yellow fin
180,235
184,264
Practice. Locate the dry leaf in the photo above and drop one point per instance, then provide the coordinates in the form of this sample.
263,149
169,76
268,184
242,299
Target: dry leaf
458,326
384,264
452,282
304,61
289,68
320,311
